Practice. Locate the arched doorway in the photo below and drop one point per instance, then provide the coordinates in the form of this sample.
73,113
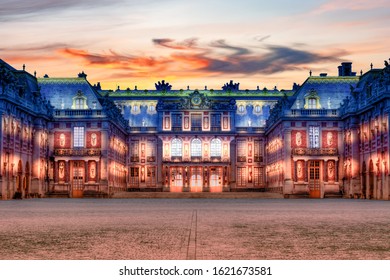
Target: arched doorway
371,180
196,182
364,180
26,180
216,179
19,181
176,184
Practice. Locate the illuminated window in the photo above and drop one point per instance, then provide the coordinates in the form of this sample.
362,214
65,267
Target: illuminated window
312,103
151,108
241,177
196,148
134,177
79,103
78,136
258,176
257,109
176,150
314,136
135,108
241,148
134,148
241,109
216,148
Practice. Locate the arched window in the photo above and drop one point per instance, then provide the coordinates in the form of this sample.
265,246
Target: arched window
216,148
176,149
196,148
79,103
312,103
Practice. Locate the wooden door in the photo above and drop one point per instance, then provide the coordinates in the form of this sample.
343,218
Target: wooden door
314,179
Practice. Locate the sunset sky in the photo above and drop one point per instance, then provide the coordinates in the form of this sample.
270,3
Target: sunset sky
132,42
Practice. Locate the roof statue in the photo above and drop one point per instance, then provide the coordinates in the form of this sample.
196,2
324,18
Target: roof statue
230,86
163,86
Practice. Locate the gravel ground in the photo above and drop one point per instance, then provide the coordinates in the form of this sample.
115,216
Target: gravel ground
194,229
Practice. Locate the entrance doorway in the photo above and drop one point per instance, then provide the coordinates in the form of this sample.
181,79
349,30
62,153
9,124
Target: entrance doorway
176,184
78,179
196,183
314,179
216,179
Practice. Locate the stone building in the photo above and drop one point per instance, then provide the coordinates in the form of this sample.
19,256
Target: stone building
24,129
365,117
65,137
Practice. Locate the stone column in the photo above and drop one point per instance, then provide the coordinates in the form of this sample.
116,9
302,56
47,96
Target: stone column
286,162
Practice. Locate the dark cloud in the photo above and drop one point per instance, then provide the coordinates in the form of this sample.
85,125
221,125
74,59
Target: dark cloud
172,44
187,57
223,45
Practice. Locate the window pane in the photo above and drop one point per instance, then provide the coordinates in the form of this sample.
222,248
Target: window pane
176,150
216,148
78,136
314,136
196,148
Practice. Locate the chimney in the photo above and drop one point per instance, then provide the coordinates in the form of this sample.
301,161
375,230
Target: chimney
346,69
323,74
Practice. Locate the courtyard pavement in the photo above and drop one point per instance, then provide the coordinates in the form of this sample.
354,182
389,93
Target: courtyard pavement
164,228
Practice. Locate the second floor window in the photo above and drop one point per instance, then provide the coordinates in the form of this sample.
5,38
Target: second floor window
176,120
196,148
216,148
176,150
314,136
78,136
196,122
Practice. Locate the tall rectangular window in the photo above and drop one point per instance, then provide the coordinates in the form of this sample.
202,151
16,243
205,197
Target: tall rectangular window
215,122
134,148
314,136
176,121
241,177
78,136
258,176
134,177
241,148
196,122
258,151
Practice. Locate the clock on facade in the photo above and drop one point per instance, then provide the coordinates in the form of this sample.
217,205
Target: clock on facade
196,100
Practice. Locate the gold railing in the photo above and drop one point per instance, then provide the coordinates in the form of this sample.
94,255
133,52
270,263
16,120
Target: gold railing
314,151
77,152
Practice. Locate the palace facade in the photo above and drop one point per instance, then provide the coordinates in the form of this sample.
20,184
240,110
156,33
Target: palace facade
66,137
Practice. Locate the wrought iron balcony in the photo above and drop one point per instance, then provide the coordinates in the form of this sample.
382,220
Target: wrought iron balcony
77,152
315,152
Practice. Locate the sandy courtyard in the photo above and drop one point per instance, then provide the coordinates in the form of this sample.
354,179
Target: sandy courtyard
194,229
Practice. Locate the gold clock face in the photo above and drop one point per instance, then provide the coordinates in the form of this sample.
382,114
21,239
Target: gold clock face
196,100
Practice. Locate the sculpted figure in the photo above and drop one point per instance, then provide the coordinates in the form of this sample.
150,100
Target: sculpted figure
298,139
93,139
62,140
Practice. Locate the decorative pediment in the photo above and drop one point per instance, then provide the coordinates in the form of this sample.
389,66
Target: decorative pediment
196,101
